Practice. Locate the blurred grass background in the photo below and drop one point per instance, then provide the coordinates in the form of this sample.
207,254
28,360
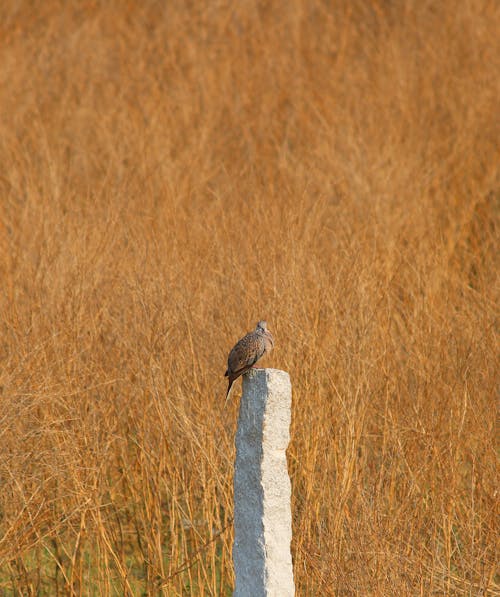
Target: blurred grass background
172,172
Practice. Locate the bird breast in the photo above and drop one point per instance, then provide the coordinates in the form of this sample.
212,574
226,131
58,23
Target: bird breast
268,342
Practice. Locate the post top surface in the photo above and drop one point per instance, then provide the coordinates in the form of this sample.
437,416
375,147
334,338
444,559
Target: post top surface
268,372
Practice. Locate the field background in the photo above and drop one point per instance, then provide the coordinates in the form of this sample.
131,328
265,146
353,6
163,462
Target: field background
172,172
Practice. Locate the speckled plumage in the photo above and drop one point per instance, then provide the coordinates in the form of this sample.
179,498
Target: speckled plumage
247,352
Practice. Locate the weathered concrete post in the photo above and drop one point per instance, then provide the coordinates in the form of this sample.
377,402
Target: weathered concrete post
262,513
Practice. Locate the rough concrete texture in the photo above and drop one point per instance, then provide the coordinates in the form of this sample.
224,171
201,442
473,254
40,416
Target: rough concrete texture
262,514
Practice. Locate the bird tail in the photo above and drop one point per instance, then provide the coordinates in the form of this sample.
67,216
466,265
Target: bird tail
231,381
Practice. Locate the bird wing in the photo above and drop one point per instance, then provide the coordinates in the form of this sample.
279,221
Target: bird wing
245,354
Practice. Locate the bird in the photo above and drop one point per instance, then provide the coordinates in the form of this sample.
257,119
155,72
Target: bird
247,351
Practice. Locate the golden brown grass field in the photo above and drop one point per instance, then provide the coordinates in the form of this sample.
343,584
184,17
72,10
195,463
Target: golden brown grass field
172,172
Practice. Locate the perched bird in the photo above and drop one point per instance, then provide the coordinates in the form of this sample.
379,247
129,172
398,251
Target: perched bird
247,352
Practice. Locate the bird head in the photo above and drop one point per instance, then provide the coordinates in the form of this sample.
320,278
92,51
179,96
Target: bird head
261,326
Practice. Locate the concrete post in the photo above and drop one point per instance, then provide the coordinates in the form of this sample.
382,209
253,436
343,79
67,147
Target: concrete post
262,514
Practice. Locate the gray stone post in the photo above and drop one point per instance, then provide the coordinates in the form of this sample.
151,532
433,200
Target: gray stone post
262,513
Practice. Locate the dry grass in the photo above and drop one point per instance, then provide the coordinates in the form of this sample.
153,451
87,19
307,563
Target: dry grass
168,176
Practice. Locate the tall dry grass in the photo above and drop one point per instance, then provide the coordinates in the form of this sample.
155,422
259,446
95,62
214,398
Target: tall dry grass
172,172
